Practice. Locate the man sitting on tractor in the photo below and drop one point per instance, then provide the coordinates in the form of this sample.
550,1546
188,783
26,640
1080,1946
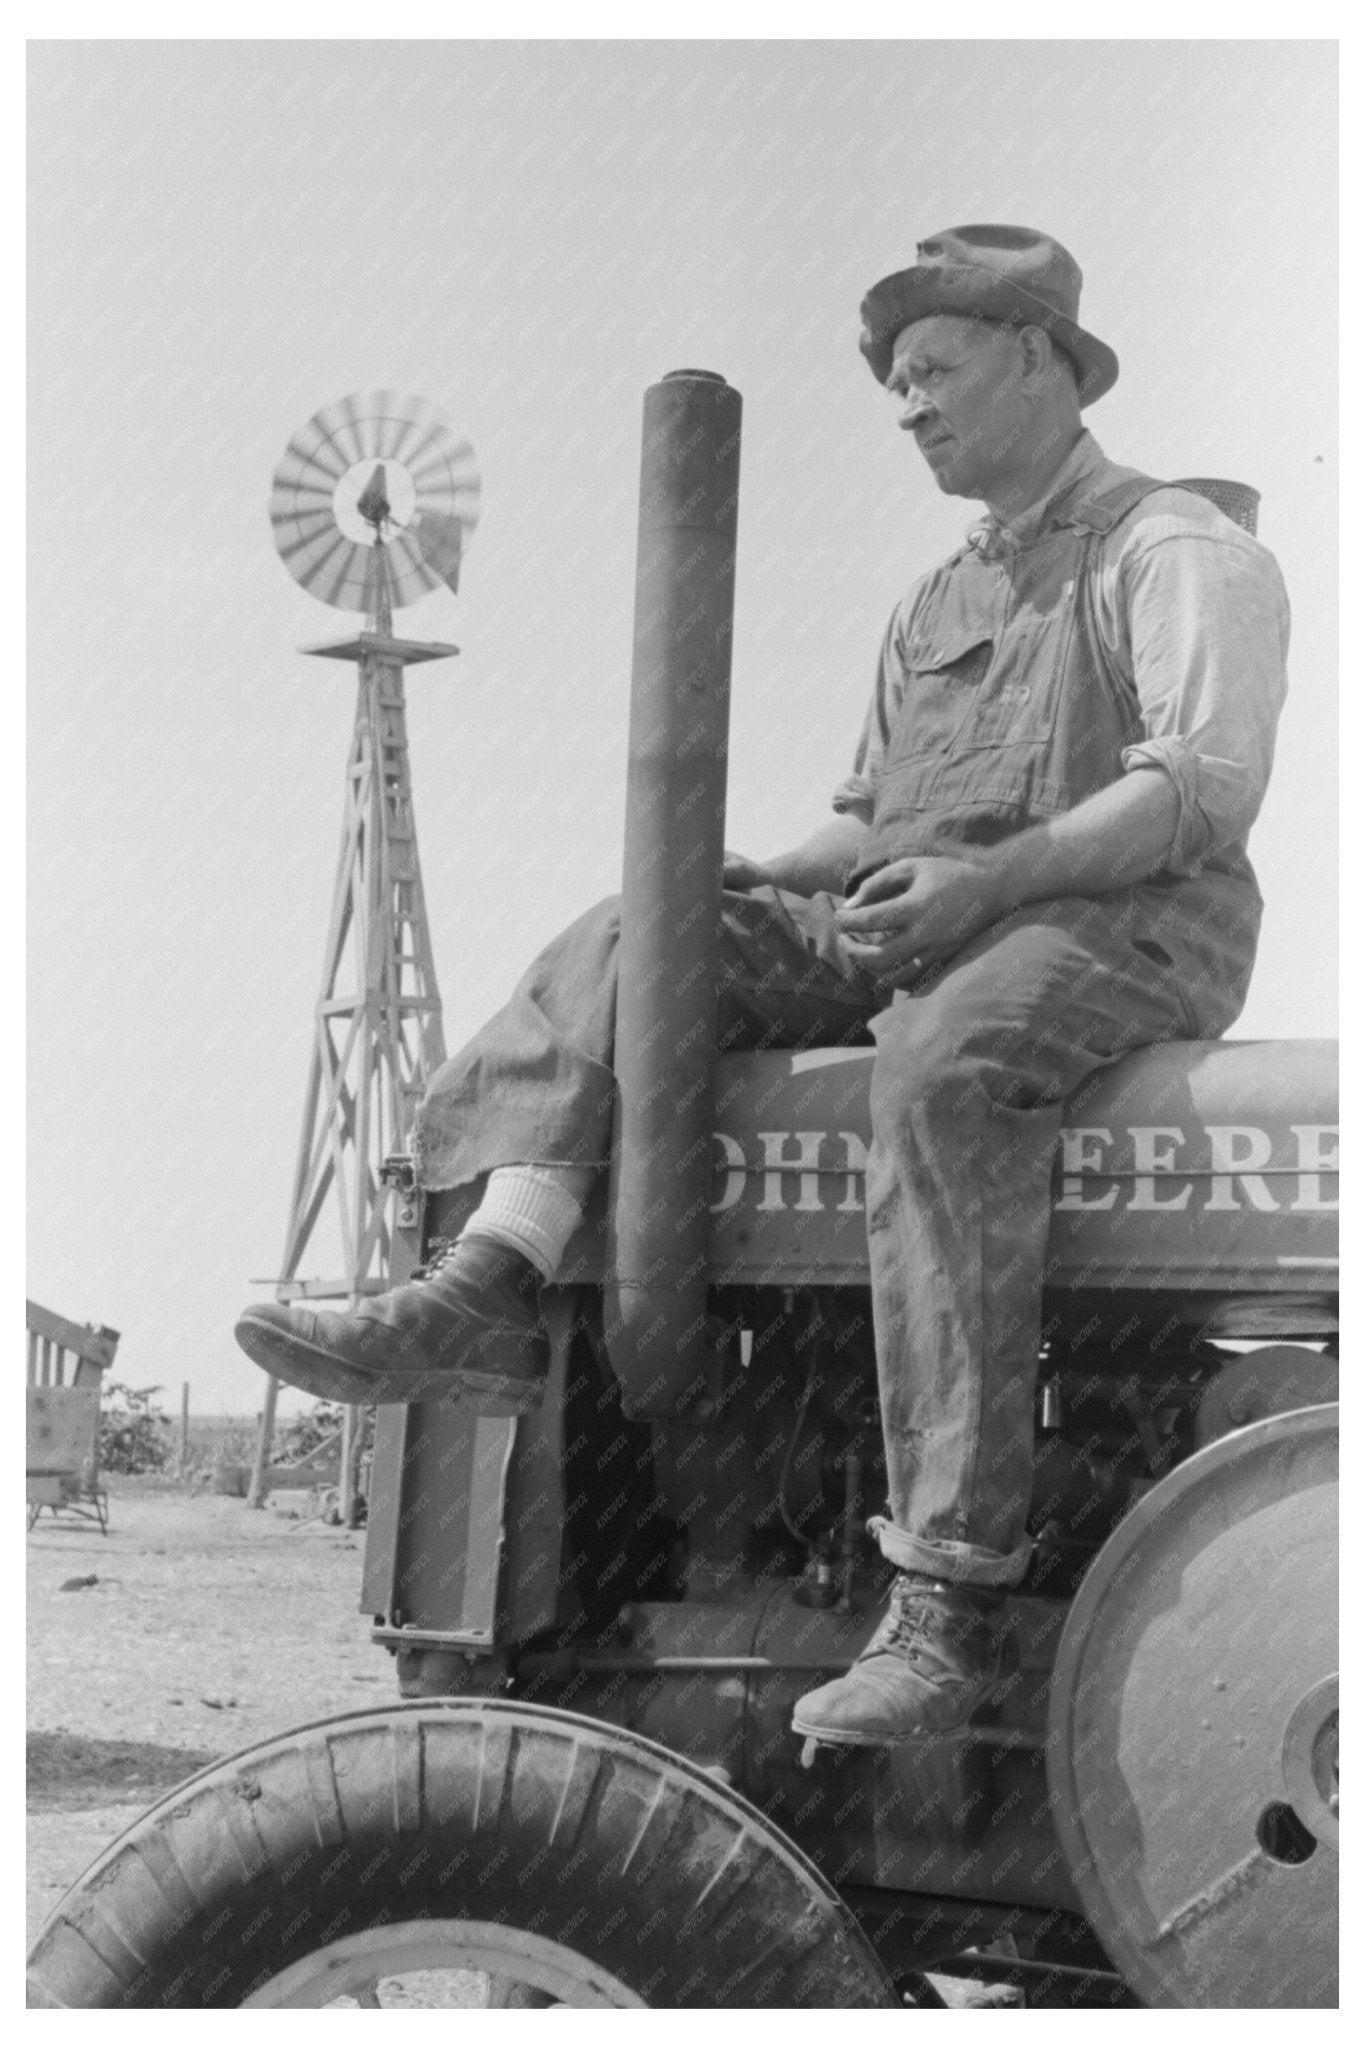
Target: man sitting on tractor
1037,865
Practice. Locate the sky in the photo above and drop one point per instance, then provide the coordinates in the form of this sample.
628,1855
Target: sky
225,237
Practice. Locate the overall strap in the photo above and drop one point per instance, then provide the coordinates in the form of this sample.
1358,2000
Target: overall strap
1103,511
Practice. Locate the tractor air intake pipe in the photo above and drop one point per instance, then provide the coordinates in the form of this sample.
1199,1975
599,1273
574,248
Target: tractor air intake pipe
660,1226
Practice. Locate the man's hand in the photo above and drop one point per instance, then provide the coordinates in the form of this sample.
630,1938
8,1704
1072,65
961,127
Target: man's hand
915,911
822,862
742,874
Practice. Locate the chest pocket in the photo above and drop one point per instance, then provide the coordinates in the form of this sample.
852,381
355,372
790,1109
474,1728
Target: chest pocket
943,677
1016,703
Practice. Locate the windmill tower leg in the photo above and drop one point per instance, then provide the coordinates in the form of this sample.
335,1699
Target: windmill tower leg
377,1033
265,1437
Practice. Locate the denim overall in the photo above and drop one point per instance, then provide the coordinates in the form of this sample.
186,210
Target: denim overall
1011,715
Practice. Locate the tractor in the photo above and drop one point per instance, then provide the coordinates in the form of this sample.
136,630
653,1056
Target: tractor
601,1613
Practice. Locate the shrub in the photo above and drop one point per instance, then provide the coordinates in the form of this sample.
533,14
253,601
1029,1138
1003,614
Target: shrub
134,1434
300,1437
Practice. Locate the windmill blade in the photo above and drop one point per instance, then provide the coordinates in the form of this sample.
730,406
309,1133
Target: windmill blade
290,501
294,527
445,468
349,425
310,454
410,576
330,567
403,420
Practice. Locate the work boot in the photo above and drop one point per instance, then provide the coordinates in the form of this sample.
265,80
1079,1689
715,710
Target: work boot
469,1323
938,1652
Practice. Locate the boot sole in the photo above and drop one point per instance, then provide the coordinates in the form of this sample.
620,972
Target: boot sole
845,1738
849,1738
307,1366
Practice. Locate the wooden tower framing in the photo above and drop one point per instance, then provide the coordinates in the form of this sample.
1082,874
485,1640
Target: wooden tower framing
377,1033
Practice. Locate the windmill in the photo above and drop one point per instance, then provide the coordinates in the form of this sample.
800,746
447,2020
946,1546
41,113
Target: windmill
372,506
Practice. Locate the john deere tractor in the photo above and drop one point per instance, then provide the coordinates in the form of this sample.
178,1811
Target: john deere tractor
600,1614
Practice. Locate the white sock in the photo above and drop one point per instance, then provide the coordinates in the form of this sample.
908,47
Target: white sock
534,1209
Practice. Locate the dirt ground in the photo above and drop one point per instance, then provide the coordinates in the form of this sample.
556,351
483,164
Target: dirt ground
201,1626
209,1625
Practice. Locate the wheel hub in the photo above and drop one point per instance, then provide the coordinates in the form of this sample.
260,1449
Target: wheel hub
420,1962
1312,1783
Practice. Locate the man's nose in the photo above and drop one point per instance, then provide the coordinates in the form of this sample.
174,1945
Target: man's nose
915,409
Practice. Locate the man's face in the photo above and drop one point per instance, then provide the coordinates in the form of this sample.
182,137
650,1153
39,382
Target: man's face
958,384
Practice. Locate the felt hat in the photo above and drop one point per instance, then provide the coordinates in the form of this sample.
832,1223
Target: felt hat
1014,275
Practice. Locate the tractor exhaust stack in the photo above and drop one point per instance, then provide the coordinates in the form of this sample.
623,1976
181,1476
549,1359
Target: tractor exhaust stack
660,1226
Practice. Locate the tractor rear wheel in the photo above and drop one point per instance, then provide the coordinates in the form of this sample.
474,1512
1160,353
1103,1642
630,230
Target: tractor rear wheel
1193,1745
461,1852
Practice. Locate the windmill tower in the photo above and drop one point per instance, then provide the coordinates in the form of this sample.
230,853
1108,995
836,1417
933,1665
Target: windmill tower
371,507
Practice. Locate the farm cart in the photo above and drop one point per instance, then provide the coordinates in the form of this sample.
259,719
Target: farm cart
62,1415
602,1613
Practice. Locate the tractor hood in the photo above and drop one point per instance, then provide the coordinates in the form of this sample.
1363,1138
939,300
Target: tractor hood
1240,1135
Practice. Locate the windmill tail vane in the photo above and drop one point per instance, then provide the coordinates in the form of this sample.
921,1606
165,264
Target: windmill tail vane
440,539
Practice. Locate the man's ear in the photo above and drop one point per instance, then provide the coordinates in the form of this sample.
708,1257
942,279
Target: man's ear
1044,364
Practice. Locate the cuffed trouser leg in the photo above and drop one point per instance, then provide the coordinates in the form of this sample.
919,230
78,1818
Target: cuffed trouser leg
972,1072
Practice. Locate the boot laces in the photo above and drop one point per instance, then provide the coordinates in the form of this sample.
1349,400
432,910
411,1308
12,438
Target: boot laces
432,1268
923,1626
915,1616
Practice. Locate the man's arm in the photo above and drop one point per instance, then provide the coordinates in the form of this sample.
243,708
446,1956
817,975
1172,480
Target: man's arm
822,862
928,906
1195,614
1119,836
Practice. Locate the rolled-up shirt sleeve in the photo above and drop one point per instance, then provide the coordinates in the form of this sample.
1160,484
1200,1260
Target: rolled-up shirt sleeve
1202,625
857,793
